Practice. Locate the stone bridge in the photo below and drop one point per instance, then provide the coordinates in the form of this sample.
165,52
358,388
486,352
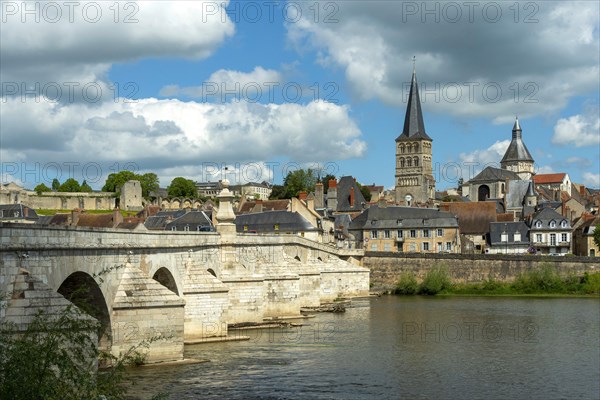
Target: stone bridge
180,286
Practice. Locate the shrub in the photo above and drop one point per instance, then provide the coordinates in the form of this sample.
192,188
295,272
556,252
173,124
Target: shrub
591,283
436,280
407,284
544,280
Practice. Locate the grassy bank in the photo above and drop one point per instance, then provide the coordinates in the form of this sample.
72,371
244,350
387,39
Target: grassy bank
544,281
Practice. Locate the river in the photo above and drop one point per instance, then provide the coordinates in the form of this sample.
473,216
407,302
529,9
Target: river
403,348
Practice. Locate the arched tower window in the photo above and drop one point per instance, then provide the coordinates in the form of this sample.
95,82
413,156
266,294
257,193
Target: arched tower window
409,162
402,163
402,148
416,161
416,145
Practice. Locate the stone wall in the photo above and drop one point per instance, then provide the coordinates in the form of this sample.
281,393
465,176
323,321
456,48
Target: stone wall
386,268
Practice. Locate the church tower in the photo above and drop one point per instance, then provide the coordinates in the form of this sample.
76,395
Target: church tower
414,177
517,158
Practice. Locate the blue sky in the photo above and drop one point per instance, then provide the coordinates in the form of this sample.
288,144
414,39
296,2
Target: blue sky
333,82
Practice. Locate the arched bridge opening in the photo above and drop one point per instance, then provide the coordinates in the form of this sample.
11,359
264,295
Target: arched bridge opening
165,278
83,291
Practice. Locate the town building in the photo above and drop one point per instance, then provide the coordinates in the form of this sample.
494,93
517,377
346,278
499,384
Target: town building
18,213
342,197
517,158
406,229
559,182
474,220
508,238
550,232
583,237
414,179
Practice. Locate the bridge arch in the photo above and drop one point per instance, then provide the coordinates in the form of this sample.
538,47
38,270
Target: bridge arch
165,278
81,289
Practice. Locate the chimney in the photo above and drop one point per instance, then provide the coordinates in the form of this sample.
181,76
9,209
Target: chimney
75,216
563,209
319,195
352,196
332,202
302,196
117,217
25,211
582,190
310,202
332,183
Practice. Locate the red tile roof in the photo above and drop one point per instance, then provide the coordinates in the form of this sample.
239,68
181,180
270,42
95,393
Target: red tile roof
548,178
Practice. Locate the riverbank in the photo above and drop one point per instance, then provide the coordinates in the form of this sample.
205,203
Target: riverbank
540,282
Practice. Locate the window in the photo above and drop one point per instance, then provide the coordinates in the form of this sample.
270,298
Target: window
440,232
439,247
387,247
538,237
402,149
426,246
553,239
399,233
173,228
409,162
448,246
552,224
399,247
563,224
402,163
504,237
186,228
276,227
538,224
373,247
517,237
416,161
387,234
413,233
563,237
426,233
373,234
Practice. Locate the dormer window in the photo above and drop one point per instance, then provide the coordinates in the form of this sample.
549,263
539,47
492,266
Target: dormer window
563,224
552,224
538,224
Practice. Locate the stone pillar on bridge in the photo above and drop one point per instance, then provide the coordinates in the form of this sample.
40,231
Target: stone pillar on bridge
225,214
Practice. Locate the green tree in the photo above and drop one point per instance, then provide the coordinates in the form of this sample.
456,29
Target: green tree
114,181
149,182
85,187
302,180
365,192
278,192
597,235
70,185
182,187
55,184
42,188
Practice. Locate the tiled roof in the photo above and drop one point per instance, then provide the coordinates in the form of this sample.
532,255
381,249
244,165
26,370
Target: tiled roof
548,178
193,220
509,228
265,222
491,174
473,218
267,205
96,220
402,217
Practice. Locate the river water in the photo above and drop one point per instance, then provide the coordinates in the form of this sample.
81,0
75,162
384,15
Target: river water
403,348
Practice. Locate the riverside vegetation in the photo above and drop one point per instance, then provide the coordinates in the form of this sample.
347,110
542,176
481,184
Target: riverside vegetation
543,281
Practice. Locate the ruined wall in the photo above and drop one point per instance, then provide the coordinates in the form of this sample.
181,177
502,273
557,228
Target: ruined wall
386,268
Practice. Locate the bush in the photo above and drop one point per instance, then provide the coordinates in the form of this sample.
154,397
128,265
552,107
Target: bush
436,280
591,283
407,284
544,280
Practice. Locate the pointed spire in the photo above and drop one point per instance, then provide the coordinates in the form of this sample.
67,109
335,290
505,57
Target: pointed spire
516,131
530,190
516,151
414,127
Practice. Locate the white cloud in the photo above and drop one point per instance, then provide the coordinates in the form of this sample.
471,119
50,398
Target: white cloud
579,130
536,66
474,162
225,85
77,49
591,180
544,169
170,135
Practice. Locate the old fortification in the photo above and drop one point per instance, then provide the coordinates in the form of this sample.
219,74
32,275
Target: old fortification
386,268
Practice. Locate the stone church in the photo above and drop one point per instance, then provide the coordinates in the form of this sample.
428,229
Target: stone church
414,175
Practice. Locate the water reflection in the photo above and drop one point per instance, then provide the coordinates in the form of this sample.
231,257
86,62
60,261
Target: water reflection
414,348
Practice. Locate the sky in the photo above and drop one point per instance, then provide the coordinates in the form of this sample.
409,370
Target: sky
187,88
